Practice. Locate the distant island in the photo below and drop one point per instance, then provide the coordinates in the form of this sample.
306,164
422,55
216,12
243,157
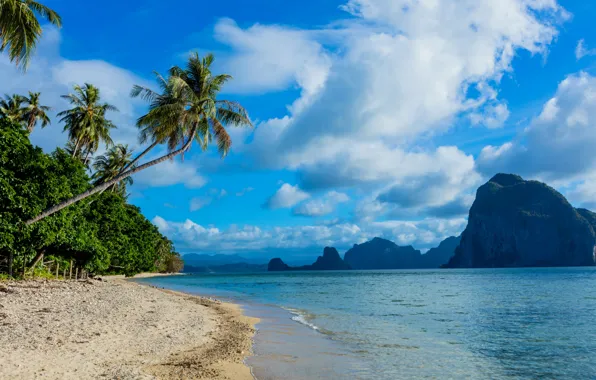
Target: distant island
380,253
518,223
512,223
329,261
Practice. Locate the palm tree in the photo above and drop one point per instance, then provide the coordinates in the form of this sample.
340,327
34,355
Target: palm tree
109,165
10,108
20,29
185,111
34,112
86,122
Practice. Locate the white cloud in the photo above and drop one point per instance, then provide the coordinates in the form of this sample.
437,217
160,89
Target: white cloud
493,116
322,206
559,143
192,237
286,197
581,50
171,173
199,202
400,72
272,58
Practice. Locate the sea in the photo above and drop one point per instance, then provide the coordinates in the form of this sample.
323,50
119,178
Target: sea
525,323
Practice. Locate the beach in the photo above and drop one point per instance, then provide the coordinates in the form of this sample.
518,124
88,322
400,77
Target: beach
117,329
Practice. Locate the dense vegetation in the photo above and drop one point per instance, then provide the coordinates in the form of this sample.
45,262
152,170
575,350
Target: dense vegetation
104,234
70,204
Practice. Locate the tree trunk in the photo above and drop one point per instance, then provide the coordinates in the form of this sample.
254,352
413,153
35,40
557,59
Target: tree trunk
38,258
87,156
31,124
74,153
133,162
111,182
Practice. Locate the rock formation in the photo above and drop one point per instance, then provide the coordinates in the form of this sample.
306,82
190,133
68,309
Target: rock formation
518,223
329,261
380,253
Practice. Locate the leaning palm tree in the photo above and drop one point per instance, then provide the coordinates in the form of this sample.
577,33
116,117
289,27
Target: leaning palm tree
109,165
86,122
20,30
33,112
187,110
11,108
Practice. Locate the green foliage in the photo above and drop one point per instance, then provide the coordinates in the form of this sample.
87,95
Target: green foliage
20,30
86,122
103,233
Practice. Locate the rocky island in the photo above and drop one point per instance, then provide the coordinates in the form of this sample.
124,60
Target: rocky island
518,223
380,253
329,261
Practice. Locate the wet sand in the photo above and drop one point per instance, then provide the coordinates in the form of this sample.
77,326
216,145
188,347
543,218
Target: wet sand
119,330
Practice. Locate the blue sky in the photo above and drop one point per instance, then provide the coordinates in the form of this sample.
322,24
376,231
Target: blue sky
373,117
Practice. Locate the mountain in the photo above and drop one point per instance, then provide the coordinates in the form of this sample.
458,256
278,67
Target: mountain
518,223
329,261
380,253
438,256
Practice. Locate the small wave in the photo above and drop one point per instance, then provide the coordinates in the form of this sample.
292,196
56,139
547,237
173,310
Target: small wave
301,318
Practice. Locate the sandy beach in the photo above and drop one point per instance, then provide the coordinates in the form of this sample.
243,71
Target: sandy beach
117,329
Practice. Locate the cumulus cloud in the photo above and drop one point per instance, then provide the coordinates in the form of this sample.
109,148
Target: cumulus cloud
192,237
559,143
399,71
286,197
272,58
171,173
322,206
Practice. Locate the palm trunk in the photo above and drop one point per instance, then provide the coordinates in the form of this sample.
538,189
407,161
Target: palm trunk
111,182
74,153
133,162
87,156
31,124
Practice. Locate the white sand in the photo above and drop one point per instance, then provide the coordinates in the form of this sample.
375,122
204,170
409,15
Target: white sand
118,330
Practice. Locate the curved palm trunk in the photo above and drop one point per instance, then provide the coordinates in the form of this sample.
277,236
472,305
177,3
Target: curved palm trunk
111,182
133,162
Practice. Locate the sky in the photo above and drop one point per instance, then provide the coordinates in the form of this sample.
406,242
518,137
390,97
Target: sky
371,117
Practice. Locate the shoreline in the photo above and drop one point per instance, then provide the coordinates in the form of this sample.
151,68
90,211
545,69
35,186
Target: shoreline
120,329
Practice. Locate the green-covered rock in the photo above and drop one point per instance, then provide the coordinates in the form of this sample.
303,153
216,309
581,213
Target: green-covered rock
518,223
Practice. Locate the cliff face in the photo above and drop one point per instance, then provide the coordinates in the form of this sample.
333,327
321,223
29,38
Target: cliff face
436,257
382,254
329,261
276,265
517,223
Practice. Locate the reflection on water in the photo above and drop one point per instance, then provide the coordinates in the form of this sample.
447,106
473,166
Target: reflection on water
481,324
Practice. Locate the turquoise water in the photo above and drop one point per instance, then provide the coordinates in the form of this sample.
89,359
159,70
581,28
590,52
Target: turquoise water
409,324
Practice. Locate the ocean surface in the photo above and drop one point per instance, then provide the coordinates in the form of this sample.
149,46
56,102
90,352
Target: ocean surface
414,324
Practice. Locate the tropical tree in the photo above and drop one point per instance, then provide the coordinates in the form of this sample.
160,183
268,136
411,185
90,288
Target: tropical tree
34,112
187,110
109,165
20,29
11,108
86,122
